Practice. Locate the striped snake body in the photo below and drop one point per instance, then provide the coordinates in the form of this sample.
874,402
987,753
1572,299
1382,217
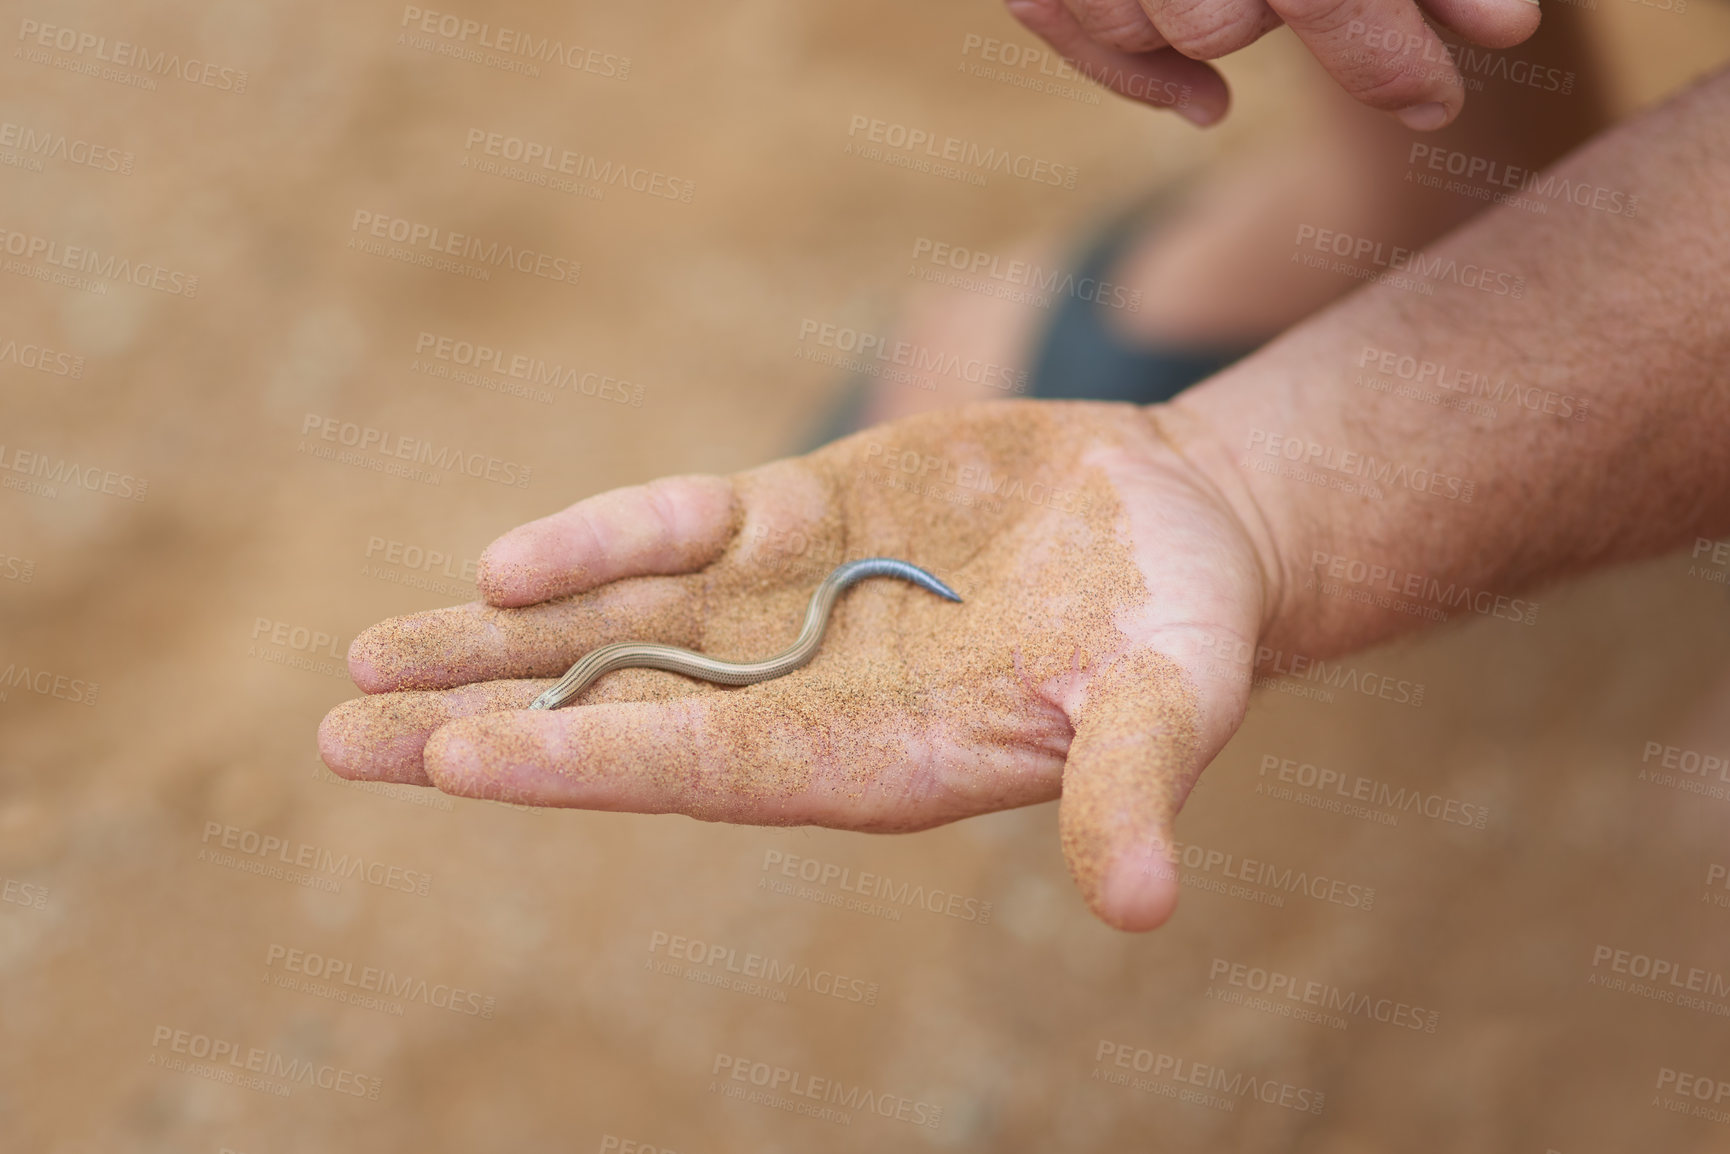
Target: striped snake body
648,655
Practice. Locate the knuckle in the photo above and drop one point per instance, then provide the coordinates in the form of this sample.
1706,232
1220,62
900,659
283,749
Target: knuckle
1120,24
1036,15
1324,17
1139,37
1388,73
1209,29
590,535
664,508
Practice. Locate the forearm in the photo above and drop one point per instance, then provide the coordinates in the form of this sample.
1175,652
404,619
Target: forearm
1446,438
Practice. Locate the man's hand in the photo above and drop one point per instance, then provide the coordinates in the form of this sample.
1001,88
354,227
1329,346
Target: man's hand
1112,600
1382,52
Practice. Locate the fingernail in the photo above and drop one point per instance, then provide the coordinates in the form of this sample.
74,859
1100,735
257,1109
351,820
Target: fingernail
1423,117
1199,115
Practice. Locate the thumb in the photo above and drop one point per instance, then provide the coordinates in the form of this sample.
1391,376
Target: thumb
1137,749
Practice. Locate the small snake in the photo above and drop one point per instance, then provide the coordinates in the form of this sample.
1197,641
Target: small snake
648,655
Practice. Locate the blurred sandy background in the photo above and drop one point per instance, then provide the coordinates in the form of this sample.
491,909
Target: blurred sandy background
211,614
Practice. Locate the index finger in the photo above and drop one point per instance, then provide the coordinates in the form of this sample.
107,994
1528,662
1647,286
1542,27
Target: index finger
1163,77
1383,54
670,526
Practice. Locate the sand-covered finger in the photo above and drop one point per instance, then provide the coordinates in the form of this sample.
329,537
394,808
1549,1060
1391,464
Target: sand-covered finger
669,526
768,759
1131,763
380,738
464,644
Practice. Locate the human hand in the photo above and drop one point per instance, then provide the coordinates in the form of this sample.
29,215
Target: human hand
1382,52
1100,584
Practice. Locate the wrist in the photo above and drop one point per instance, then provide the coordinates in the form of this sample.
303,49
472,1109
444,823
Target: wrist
1223,429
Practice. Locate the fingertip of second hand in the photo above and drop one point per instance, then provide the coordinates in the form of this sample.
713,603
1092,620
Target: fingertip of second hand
1425,117
1200,115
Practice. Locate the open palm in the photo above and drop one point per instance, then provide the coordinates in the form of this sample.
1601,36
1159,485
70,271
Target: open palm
1110,601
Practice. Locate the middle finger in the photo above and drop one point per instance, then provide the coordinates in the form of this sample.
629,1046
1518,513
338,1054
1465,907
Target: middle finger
1120,24
1209,29
476,642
